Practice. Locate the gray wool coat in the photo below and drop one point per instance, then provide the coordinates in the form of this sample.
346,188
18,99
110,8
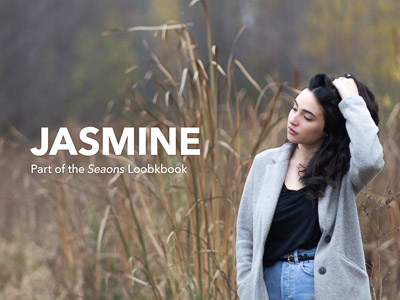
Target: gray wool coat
339,266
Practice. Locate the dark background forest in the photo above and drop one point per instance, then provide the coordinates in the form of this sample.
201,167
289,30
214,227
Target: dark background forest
56,64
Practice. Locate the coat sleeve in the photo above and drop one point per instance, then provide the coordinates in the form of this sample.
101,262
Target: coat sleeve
244,228
365,149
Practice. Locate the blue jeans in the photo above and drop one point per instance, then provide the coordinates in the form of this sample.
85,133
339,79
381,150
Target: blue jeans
285,280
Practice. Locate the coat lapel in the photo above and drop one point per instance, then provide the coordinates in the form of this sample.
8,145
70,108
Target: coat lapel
275,173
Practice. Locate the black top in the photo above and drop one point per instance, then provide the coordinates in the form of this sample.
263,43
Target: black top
295,225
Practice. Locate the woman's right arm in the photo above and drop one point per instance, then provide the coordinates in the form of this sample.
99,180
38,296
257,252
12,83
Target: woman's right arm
366,151
244,228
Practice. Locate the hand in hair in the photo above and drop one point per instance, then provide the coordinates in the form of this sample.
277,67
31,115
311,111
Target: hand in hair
346,87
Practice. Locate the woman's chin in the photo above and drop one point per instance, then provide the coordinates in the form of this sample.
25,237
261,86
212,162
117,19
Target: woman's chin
292,139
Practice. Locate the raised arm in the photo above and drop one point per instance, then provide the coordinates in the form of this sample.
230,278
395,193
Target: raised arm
365,149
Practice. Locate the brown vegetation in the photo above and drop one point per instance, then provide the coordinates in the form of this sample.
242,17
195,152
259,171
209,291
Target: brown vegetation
168,236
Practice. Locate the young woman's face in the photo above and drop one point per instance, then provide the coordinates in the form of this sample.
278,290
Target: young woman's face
306,121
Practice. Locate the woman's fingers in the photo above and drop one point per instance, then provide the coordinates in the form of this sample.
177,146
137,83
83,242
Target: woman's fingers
345,86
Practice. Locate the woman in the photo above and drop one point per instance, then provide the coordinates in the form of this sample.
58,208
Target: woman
298,235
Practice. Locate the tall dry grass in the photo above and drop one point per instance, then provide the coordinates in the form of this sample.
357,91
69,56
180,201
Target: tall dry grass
168,236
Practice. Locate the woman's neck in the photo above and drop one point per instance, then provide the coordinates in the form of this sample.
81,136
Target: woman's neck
304,153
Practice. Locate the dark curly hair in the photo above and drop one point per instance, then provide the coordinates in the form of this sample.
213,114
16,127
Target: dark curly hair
332,160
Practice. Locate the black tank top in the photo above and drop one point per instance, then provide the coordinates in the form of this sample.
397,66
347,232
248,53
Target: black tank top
294,225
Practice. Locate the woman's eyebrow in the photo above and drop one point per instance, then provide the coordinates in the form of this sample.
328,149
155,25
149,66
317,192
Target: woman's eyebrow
305,110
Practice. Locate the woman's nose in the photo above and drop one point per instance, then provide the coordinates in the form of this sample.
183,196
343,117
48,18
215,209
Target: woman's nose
293,120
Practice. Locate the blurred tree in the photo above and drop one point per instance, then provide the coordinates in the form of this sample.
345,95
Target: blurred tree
98,75
53,56
53,52
36,58
355,36
160,11
271,43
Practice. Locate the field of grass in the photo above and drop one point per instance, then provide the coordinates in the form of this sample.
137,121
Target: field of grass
168,236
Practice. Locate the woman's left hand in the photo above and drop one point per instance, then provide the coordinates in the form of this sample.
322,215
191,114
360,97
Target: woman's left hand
346,87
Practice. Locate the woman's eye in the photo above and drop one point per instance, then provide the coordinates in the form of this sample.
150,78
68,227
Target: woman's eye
308,119
294,108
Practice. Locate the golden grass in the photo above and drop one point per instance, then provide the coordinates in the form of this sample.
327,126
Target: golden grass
154,236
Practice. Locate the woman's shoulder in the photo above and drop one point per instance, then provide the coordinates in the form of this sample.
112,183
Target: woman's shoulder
274,154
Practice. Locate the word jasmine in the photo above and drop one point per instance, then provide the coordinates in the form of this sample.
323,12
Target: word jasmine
63,141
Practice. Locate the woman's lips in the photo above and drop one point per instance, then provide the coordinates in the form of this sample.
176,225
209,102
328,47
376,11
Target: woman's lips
291,131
